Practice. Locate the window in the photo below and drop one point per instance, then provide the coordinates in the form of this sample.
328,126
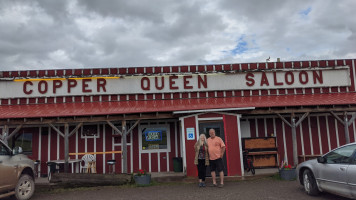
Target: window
23,140
155,138
341,155
4,150
90,131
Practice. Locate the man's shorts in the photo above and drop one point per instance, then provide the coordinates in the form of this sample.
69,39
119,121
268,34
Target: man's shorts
216,165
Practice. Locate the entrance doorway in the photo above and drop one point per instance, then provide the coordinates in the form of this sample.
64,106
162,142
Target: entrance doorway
218,126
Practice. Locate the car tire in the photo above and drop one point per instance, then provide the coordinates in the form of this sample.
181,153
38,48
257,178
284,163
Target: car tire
25,187
309,182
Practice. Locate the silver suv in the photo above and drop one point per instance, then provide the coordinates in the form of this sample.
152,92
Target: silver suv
334,172
16,173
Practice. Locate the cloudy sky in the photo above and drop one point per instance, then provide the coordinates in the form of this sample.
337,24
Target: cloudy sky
47,34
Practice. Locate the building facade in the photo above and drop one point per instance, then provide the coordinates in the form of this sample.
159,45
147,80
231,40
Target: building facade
165,109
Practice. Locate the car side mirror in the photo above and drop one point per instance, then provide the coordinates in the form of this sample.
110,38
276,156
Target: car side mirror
17,150
321,160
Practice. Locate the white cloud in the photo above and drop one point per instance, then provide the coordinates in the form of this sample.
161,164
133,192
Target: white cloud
110,33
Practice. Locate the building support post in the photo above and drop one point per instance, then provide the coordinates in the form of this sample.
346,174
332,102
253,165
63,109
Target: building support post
123,134
66,136
294,138
346,127
346,122
294,126
66,148
124,147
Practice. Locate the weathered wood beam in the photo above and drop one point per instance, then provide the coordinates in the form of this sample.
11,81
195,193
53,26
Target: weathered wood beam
14,132
76,129
114,127
132,127
52,120
352,119
337,117
283,119
294,126
57,130
124,147
66,148
301,119
346,122
296,110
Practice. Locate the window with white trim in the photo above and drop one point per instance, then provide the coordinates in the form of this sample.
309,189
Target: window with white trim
154,138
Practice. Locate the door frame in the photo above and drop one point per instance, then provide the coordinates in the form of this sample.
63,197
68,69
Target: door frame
220,124
197,119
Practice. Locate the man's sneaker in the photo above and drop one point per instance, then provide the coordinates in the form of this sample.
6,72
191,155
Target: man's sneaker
200,184
203,185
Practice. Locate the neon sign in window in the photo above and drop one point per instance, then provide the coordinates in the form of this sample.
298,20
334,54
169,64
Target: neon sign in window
153,136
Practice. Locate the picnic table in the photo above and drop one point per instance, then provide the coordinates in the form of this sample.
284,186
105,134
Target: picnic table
73,162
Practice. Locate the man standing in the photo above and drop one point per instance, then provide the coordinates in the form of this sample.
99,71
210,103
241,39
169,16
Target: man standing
216,148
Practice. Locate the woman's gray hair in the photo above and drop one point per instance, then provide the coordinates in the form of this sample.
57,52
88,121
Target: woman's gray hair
200,143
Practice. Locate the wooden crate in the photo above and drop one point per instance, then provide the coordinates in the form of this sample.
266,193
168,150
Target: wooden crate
260,143
263,151
269,160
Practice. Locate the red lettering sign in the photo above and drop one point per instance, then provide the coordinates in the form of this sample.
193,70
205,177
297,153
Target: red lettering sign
318,77
25,90
85,85
289,80
202,82
172,83
264,79
71,84
42,87
101,83
186,82
56,84
275,79
249,79
145,83
305,79
162,83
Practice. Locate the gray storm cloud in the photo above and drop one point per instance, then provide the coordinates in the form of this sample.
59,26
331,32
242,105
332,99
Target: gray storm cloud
47,34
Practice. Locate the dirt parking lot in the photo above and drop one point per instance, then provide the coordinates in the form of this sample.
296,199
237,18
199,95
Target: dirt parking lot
264,188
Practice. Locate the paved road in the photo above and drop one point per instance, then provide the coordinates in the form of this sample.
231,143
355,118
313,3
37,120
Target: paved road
266,188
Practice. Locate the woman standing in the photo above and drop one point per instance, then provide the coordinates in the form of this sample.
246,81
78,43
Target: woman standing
201,158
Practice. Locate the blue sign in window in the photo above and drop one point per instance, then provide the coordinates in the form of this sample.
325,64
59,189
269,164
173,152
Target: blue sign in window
153,136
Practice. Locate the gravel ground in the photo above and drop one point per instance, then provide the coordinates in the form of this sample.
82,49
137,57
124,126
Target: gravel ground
264,188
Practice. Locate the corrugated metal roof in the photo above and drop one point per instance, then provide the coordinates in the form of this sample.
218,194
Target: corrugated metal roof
129,107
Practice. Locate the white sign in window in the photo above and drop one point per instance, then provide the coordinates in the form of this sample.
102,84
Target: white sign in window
190,134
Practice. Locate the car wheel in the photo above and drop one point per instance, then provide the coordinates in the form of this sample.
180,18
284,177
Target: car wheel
25,187
309,182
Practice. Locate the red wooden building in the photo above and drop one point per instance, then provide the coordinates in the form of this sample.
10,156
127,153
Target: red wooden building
172,105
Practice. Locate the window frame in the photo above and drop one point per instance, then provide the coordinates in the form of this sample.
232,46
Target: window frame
8,150
93,136
167,126
15,138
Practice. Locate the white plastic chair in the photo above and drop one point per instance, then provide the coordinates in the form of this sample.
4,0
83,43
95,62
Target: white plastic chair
88,159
